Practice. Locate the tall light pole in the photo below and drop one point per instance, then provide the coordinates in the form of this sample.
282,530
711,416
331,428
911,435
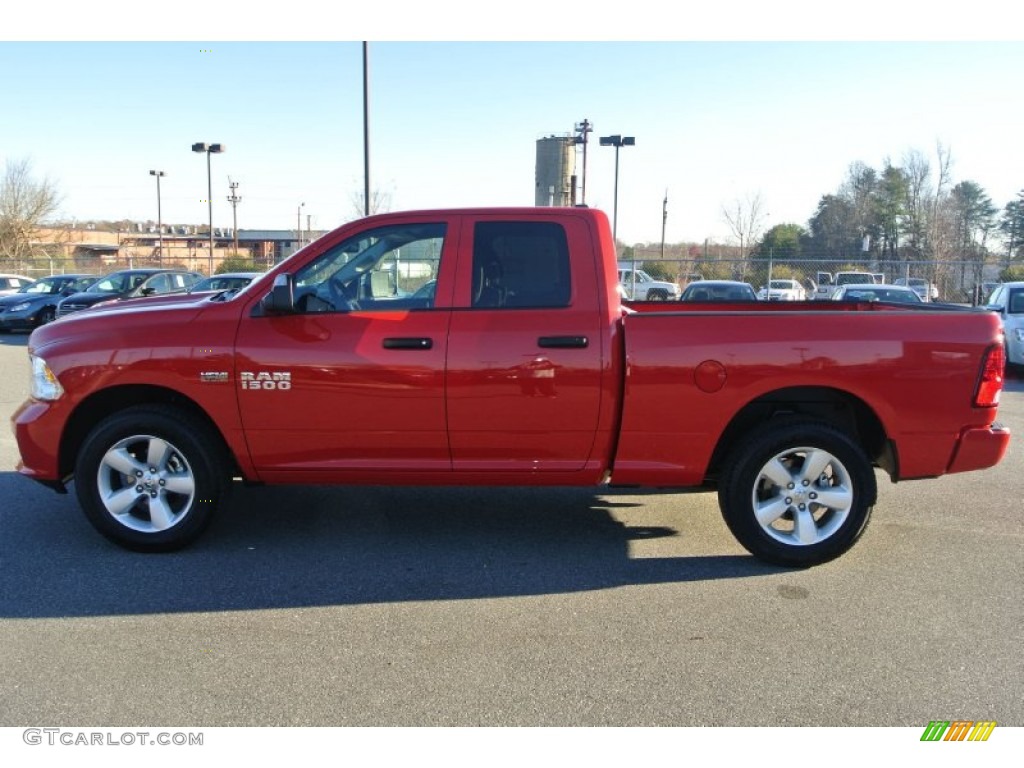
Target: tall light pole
366,129
616,141
159,216
209,149
298,226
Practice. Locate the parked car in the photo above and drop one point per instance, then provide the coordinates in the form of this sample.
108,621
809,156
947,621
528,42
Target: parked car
228,281
827,283
899,294
1008,300
719,290
782,290
129,284
979,293
13,283
36,303
637,285
927,291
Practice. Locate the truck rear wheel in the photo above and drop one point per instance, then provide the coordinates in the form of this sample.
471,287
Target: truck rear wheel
797,492
150,478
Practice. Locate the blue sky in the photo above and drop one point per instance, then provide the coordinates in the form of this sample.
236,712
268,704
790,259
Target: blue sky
456,123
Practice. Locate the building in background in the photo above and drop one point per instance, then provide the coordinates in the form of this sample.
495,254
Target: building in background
556,171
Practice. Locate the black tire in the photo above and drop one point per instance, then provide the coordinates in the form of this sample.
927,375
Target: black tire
809,514
150,478
47,315
657,295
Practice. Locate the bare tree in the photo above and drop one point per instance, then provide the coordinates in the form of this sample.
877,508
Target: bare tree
942,220
24,204
918,208
380,202
745,219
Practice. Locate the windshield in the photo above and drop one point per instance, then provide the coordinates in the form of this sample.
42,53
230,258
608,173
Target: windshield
854,277
221,283
882,294
638,275
42,285
119,282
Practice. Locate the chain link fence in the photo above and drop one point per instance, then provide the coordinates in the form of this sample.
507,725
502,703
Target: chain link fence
43,266
957,282
954,281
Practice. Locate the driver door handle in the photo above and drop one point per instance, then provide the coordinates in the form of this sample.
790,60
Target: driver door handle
563,342
408,342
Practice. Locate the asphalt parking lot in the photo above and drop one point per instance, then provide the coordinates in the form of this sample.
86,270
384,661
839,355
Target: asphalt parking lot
411,606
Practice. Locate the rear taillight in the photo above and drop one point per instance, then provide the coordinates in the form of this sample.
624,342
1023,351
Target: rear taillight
991,382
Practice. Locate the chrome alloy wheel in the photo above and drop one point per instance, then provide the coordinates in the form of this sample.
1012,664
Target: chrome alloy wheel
146,484
802,496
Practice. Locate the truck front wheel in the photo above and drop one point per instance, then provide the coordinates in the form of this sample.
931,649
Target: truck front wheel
150,478
797,492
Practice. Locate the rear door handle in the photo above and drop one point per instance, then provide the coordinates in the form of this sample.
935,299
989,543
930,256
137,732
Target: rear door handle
408,342
563,342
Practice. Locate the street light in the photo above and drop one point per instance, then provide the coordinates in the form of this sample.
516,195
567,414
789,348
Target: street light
298,226
616,141
209,149
159,217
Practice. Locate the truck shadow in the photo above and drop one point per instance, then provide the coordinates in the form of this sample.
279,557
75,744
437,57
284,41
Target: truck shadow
310,546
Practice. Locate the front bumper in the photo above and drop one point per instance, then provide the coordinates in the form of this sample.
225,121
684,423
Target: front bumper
37,428
18,321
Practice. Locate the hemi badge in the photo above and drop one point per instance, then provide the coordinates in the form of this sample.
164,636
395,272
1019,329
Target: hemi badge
214,376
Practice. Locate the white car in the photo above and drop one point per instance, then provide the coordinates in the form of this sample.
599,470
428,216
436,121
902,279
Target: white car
13,283
827,282
637,285
782,290
1008,300
927,291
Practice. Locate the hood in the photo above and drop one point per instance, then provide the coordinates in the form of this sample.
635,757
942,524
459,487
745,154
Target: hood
9,299
115,320
91,297
159,300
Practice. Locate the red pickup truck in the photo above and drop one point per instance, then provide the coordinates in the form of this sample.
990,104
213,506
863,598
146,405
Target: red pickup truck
490,347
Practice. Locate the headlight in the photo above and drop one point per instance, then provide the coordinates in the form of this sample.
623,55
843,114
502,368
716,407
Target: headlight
44,385
1019,333
20,307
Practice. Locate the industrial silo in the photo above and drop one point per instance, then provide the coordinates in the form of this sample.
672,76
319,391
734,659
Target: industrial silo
556,168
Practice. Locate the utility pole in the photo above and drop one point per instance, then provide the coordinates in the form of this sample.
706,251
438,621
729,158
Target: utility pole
234,199
583,129
664,218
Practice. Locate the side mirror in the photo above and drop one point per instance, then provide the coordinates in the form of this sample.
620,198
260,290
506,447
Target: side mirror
281,299
147,291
